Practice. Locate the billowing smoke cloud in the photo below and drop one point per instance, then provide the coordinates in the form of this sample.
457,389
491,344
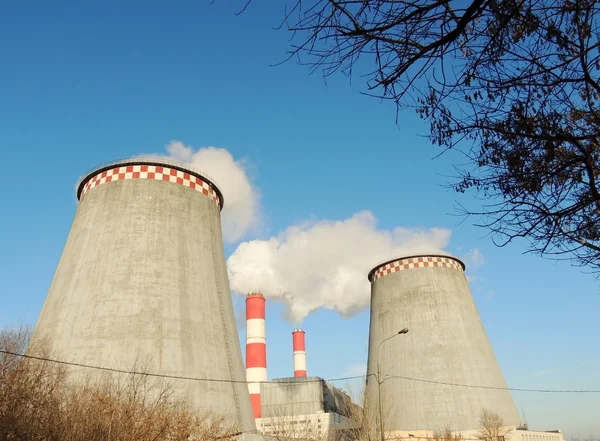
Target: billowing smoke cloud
324,264
241,213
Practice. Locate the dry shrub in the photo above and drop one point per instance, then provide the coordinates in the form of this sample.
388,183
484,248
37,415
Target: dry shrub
491,426
30,390
446,435
359,429
37,402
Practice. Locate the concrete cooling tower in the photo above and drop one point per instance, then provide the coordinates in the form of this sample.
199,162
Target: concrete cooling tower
142,278
446,343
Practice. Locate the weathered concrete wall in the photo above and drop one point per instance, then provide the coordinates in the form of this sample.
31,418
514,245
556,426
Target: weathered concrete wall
291,396
142,278
446,342
303,396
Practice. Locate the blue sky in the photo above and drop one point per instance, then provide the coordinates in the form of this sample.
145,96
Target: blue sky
82,84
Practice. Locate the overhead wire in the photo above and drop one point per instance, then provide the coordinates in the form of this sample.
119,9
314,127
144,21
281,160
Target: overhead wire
307,380
513,389
150,374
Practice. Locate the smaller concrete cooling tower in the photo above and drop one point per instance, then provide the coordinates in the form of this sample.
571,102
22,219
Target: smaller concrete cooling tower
256,348
299,353
446,344
142,278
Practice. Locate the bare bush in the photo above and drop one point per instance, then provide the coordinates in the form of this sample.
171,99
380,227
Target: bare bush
37,402
358,429
15,340
446,435
30,390
491,426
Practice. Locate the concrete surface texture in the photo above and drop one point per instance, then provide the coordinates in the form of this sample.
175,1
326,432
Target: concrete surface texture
302,396
291,396
446,343
142,283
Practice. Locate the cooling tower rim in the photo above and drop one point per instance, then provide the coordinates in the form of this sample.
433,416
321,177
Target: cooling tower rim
151,160
412,256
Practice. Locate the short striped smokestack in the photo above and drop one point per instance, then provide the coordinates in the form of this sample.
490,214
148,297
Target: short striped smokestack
256,348
299,353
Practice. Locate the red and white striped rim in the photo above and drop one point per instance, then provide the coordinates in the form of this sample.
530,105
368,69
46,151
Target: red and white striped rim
415,262
152,172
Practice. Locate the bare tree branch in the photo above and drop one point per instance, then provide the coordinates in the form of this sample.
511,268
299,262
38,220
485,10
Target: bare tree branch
512,84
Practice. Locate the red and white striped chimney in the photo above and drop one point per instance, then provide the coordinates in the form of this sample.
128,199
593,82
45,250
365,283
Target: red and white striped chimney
256,348
299,353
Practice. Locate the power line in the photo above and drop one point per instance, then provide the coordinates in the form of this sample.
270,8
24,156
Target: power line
514,389
175,377
307,380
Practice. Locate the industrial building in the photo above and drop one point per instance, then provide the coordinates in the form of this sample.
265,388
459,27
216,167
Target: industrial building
506,433
424,302
142,283
524,434
297,407
445,347
305,408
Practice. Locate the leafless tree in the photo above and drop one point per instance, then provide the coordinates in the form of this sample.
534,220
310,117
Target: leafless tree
357,424
446,435
512,84
491,426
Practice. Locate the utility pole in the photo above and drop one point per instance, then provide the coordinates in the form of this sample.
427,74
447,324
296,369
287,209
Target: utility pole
380,381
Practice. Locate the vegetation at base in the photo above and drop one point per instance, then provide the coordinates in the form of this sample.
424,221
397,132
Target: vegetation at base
38,402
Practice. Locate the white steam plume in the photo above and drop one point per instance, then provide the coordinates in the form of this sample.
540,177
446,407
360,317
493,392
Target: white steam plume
241,212
325,264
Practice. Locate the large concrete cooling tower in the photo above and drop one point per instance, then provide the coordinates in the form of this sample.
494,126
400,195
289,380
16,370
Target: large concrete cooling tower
446,343
143,278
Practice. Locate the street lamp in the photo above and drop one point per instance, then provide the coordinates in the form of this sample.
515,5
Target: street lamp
379,381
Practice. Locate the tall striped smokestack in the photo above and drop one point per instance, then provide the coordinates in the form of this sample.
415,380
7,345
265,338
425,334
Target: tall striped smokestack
299,353
256,348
